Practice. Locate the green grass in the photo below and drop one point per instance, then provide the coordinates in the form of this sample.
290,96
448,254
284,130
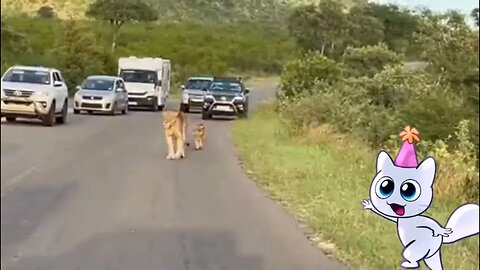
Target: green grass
322,178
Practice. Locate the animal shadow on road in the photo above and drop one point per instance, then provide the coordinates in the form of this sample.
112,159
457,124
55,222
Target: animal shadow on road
148,249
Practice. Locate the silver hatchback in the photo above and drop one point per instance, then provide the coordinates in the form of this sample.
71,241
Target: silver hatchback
101,93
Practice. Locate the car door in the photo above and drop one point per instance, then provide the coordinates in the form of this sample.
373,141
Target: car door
123,94
61,92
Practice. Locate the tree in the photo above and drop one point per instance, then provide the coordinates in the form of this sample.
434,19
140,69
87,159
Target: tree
363,28
80,56
399,25
119,12
46,12
475,16
320,27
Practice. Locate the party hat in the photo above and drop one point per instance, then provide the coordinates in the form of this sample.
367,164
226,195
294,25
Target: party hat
407,156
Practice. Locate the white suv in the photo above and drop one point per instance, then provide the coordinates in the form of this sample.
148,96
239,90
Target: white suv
34,92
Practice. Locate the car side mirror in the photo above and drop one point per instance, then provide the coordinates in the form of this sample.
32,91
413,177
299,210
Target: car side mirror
182,86
159,83
78,88
204,89
247,91
57,84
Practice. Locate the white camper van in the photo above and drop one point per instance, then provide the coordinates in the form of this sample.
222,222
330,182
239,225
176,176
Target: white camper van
147,81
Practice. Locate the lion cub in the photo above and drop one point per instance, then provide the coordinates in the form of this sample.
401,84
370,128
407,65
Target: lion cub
199,134
175,124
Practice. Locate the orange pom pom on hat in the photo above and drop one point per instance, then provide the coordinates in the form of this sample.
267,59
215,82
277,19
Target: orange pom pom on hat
407,156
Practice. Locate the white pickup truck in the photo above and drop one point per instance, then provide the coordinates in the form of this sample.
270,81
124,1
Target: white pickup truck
34,92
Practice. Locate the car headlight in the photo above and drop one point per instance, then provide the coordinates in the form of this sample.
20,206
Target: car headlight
185,97
208,97
239,98
40,94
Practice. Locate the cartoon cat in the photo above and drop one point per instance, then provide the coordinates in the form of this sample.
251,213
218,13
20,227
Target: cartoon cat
401,191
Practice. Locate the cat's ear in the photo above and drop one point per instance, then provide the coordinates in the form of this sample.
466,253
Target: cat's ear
384,161
426,170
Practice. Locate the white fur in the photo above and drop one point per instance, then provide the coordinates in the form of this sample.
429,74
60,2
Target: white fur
421,236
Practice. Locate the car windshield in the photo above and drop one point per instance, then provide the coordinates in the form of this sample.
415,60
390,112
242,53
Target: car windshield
27,76
226,86
97,84
138,76
198,84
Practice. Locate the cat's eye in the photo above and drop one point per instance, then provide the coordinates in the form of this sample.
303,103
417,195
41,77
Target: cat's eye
410,190
385,187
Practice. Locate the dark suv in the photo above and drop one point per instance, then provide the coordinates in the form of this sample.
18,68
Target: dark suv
226,96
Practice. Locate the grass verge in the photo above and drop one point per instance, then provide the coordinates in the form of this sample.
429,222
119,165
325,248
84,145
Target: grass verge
321,178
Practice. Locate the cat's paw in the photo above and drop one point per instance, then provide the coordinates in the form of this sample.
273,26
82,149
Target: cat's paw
367,205
445,232
410,265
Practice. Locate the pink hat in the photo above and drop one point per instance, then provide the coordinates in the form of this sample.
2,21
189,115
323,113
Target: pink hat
407,156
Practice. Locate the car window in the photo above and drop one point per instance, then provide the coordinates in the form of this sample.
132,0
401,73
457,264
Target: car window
55,77
60,78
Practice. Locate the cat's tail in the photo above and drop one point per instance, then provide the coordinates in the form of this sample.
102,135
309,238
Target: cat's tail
463,222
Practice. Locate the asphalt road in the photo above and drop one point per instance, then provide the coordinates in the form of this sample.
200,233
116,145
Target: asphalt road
98,194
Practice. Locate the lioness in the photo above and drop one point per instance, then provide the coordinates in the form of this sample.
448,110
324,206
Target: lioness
175,124
199,135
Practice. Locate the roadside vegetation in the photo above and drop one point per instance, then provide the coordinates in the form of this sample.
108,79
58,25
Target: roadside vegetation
92,43
347,96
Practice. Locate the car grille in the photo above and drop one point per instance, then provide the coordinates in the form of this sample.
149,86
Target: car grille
136,94
23,93
92,97
91,105
219,98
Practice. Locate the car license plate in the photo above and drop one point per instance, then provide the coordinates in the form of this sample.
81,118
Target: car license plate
224,108
132,103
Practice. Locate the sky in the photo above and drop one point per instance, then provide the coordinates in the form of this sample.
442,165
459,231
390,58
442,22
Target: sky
464,6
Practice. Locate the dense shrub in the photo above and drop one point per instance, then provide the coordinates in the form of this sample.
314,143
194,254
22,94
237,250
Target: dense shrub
299,76
369,60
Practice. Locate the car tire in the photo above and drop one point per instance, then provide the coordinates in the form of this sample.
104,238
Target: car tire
161,107
10,118
63,118
125,110
206,115
186,109
75,111
243,115
155,107
49,119
113,110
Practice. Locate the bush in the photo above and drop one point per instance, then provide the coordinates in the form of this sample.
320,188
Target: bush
369,60
46,12
299,76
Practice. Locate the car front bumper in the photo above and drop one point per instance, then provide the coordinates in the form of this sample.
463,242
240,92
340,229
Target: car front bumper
224,108
92,105
142,101
24,107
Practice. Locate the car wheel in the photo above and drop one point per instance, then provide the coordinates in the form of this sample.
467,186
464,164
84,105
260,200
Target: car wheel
161,107
155,107
49,119
125,110
63,118
75,111
206,115
10,119
243,115
113,110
